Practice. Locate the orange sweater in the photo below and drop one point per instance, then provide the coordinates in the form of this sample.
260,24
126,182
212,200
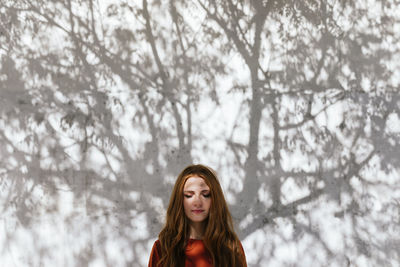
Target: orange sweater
196,254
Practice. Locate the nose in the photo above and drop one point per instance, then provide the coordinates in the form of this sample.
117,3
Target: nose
197,201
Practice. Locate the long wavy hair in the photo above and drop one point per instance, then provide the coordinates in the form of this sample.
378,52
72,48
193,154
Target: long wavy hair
219,238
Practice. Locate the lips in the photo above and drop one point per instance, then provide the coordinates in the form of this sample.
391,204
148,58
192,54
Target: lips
197,211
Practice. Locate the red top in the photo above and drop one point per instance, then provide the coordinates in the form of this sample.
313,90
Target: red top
196,254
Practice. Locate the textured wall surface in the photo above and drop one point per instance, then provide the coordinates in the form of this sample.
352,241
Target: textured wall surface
295,104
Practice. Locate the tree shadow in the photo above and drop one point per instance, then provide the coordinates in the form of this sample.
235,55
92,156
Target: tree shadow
295,104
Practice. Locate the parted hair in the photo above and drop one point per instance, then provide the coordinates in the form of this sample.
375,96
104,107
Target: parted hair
219,238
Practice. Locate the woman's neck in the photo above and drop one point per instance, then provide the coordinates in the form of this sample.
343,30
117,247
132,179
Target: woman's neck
197,230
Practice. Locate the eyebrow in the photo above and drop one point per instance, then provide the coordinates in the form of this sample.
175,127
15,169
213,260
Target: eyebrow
190,191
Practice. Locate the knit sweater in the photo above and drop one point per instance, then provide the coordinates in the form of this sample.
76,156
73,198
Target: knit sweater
196,254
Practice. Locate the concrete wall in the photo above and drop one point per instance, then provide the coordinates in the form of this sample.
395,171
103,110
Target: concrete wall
295,105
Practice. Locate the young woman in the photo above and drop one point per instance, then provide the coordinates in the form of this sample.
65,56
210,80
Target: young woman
198,230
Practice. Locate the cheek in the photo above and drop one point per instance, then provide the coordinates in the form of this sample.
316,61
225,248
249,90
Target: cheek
186,203
208,203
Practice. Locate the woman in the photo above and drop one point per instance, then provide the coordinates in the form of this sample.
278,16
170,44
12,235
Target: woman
198,230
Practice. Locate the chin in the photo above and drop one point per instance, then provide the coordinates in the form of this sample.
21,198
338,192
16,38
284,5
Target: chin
198,219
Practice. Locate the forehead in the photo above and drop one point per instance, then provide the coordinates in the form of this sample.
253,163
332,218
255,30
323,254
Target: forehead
195,182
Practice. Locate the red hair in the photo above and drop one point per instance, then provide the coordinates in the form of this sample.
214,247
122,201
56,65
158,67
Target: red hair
219,238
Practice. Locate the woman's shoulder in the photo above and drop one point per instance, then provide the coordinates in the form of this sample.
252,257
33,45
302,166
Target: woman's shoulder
157,245
156,249
155,254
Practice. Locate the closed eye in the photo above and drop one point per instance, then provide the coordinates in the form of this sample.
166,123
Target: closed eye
207,195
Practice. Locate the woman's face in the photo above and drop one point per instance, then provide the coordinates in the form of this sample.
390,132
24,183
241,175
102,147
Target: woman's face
196,199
